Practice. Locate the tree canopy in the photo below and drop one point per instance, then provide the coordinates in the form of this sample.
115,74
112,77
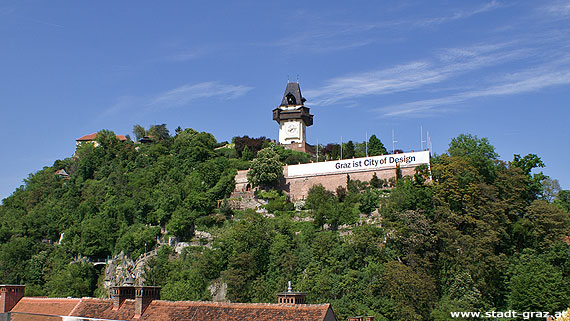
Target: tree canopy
375,146
266,169
482,235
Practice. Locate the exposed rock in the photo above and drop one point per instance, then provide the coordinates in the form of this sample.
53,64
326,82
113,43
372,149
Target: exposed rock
119,271
303,219
247,200
123,270
218,291
299,204
203,235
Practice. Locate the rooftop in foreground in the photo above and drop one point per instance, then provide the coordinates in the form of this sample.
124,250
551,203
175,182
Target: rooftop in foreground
143,303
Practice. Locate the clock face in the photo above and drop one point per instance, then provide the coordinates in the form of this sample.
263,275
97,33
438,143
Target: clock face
292,129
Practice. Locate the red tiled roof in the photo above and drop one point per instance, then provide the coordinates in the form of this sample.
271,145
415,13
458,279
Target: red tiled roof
51,306
91,137
87,137
103,308
159,310
211,311
33,317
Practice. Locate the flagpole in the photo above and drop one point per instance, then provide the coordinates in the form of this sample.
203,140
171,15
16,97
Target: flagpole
366,144
340,147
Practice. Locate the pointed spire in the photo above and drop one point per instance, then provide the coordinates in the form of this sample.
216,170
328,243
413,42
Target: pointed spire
292,95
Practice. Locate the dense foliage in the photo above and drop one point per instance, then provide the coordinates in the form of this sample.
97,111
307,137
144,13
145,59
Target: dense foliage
117,198
372,147
470,233
266,170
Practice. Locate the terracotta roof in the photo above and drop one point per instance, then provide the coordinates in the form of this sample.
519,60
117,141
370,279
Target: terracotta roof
87,137
211,311
33,317
159,310
103,308
91,137
52,306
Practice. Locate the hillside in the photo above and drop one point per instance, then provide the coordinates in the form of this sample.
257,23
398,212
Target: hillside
483,234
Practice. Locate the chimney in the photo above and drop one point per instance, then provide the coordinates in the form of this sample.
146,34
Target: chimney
120,294
291,297
144,295
10,295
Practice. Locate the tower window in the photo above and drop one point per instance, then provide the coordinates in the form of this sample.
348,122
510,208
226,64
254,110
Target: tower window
291,99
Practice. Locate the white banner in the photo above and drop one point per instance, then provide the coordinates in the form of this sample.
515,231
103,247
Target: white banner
360,164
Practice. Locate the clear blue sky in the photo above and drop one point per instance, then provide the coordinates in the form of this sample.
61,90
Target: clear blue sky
496,69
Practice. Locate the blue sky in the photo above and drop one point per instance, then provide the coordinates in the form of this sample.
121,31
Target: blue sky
494,69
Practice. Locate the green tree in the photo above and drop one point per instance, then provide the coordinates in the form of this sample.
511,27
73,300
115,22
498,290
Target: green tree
412,291
246,246
348,150
413,238
563,200
246,154
460,294
543,224
375,181
158,268
456,178
375,146
182,223
535,285
368,201
320,202
266,170
185,284
107,139
75,280
139,132
137,238
159,132
550,189
254,144
332,151
291,157
478,150
534,181
527,163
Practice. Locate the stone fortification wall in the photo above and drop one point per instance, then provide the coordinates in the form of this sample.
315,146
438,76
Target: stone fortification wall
298,179
298,187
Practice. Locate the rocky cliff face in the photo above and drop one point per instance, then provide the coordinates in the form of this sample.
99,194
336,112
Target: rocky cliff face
218,291
122,270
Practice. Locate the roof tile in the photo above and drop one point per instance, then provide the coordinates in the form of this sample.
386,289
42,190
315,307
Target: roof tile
159,310
91,137
52,306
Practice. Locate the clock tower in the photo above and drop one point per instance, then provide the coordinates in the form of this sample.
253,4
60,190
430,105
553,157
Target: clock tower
293,118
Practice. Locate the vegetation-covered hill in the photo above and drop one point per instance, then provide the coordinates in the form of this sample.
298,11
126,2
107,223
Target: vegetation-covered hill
483,234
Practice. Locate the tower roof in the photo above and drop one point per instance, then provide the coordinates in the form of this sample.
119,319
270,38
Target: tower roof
292,96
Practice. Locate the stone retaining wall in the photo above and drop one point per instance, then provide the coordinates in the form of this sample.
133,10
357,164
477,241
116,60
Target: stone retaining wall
298,187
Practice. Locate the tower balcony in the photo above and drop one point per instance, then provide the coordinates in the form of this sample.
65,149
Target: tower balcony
301,112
